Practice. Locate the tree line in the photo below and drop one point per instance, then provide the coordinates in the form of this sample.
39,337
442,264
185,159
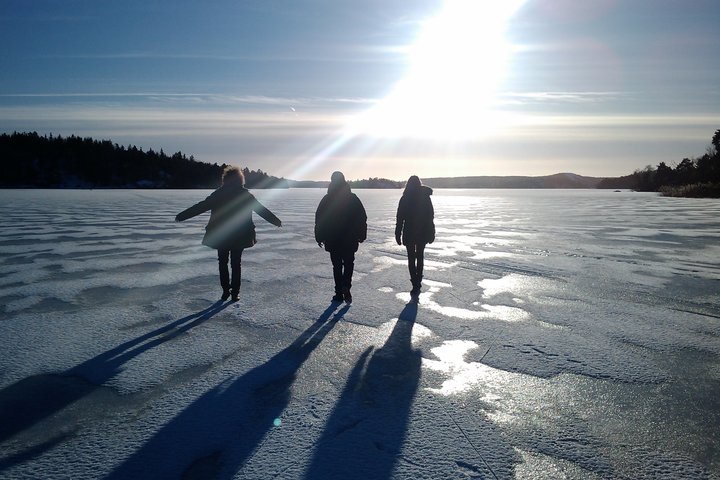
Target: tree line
376,182
32,160
692,177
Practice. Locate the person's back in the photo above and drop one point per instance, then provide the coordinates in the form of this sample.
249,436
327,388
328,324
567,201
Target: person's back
415,215
231,221
340,225
340,221
415,227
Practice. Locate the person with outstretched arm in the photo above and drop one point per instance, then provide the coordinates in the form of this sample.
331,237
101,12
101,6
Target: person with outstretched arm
340,226
230,229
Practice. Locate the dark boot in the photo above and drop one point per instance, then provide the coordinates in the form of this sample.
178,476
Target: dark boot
338,297
417,285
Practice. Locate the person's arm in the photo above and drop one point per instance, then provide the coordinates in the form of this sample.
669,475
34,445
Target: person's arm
362,221
432,221
318,221
261,210
399,220
197,209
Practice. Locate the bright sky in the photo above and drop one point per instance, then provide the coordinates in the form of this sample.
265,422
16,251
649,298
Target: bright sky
384,88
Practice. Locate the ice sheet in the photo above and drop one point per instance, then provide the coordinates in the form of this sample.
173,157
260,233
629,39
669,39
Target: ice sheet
559,334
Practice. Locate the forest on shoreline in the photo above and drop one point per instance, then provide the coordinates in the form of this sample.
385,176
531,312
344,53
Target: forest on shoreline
692,177
30,160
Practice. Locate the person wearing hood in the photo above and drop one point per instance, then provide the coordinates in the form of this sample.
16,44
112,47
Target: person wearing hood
230,229
340,226
415,228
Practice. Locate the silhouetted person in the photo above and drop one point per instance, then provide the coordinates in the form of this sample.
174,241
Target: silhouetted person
415,228
230,229
340,225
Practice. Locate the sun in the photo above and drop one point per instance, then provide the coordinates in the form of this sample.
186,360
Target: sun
456,65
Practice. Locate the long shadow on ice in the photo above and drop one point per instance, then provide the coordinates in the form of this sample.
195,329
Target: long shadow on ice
215,435
364,435
33,399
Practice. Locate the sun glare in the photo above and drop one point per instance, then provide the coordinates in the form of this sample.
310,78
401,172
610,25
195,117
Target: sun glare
456,65
448,94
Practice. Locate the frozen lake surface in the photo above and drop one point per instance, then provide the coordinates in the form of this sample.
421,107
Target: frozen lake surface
560,334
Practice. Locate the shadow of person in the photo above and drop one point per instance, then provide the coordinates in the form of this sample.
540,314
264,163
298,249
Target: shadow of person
364,434
216,434
31,400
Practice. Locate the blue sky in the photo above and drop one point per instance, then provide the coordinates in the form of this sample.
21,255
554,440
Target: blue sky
383,88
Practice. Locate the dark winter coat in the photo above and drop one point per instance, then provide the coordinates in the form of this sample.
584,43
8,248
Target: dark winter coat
230,225
415,214
340,220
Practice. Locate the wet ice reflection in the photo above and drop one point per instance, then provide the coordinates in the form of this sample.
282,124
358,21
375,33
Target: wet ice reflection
466,244
487,255
539,466
463,375
513,284
496,312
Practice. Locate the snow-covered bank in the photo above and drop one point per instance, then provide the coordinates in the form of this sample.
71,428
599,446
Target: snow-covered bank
560,334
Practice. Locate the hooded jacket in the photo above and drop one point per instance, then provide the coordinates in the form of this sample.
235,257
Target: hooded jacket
230,225
415,217
340,219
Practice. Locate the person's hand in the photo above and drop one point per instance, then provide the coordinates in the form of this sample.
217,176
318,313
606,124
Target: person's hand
279,224
320,244
177,218
397,239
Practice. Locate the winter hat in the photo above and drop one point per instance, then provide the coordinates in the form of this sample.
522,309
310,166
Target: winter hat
337,177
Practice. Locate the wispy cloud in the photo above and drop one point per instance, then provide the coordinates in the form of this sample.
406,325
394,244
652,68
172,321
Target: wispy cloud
170,120
293,119
94,95
148,55
560,97
332,54
621,121
209,98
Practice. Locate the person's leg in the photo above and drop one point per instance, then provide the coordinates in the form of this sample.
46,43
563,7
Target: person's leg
223,256
348,268
412,263
236,265
337,264
420,256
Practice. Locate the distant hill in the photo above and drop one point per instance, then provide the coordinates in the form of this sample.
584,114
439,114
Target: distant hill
308,183
558,180
629,182
377,183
